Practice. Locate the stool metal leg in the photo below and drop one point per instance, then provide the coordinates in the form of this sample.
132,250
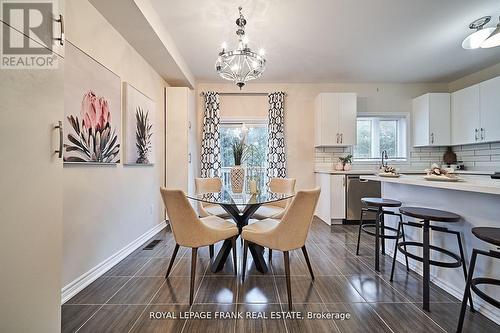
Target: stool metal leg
404,240
426,264
467,292
377,239
396,253
464,268
382,227
359,231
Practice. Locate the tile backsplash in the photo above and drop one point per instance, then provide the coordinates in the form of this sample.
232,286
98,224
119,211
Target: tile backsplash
478,157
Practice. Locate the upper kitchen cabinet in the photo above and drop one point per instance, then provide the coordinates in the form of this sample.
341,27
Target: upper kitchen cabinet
489,105
465,116
431,120
335,119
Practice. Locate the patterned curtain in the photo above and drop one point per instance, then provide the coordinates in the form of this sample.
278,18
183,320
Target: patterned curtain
276,158
210,144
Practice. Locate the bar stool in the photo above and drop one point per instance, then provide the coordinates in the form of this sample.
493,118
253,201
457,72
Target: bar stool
427,215
492,236
377,205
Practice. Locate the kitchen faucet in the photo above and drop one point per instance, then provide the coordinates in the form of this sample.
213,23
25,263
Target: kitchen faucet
384,158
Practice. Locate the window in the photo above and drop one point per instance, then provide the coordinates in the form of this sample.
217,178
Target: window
376,134
256,139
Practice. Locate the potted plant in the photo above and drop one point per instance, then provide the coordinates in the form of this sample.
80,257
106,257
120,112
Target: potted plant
346,162
237,173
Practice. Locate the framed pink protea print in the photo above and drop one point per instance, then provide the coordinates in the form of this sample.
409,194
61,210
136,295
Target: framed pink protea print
139,128
92,107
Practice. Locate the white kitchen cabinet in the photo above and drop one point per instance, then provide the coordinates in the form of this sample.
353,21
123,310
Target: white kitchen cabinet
489,104
181,159
431,120
335,119
332,200
465,116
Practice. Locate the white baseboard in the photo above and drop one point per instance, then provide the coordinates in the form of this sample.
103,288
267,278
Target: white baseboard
480,306
74,287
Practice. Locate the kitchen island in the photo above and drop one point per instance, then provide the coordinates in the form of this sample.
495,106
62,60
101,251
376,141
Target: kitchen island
476,199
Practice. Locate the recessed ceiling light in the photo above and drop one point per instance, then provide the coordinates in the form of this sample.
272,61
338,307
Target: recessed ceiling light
474,40
494,38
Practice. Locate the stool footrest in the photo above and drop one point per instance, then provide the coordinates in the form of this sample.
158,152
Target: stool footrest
456,263
483,280
372,225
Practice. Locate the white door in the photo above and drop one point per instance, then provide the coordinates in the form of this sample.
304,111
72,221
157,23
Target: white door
439,119
329,120
338,203
31,199
490,110
347,118
465,115
421,121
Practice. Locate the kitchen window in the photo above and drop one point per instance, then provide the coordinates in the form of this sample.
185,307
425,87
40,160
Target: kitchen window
378,133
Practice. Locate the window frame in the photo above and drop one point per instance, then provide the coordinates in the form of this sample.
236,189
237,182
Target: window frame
403,145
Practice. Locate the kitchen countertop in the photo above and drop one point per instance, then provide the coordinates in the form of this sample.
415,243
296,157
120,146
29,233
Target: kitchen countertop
470,183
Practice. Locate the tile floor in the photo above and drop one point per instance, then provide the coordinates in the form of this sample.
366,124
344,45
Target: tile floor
123,299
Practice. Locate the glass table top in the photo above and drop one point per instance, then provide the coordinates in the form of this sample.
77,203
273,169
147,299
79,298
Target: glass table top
227,197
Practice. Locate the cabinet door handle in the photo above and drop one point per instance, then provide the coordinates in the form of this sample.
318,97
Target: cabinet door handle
337,137
476,134
59,152
482,134
189,158
341,137
432,137
61,21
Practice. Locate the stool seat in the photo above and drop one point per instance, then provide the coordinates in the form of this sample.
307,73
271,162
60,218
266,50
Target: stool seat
430,214
381,202
488,234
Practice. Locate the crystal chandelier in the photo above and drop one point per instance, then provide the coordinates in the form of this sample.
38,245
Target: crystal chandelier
242,64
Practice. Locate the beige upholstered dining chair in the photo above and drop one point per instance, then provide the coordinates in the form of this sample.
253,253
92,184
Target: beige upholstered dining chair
191,231
276,209
288,234
209,185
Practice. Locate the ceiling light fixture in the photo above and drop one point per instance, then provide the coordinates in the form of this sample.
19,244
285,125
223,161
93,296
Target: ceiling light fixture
241,64
475,40
494,38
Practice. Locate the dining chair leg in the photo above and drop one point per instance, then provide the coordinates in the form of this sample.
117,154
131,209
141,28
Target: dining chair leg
176,248
233,243
194,252
359,232
270,255
211,250
304,252
287,275
245,252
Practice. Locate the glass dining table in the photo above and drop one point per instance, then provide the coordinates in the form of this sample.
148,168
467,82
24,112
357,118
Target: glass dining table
241,207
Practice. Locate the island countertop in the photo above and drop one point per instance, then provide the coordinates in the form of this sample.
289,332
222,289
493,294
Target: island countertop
469,183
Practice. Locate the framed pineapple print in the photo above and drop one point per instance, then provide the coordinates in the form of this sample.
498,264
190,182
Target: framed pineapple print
139,115
92,110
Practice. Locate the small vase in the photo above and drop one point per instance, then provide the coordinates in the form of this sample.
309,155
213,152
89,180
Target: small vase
339,166
237,178
347,167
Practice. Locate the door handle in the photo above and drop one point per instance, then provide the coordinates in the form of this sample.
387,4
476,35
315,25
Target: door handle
482,134
432,137
59,152
476,134
341,137
189,158
337,137
61,38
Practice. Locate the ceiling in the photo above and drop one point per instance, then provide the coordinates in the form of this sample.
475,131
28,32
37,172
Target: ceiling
335,40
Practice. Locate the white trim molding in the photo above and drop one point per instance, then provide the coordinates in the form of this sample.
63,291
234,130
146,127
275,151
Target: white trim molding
77,285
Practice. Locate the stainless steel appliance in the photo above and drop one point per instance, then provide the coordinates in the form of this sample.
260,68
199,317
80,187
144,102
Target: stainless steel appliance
356,189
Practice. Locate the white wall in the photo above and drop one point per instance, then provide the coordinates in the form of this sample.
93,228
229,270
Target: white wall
107,207
299,112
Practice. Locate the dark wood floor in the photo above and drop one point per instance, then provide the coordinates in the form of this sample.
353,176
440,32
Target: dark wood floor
123,299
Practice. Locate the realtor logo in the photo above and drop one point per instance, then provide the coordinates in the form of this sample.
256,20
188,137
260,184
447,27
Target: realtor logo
27,35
